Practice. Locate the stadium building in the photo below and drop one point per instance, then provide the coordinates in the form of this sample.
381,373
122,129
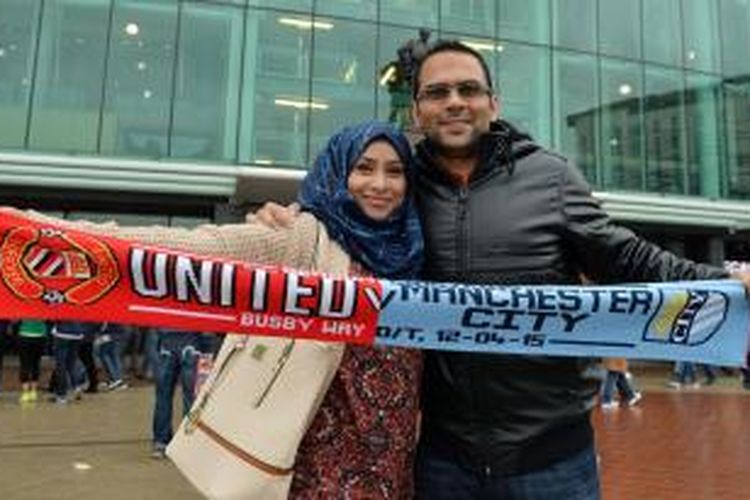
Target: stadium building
173,112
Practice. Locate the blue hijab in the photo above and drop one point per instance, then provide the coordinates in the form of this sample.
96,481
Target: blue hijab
391,248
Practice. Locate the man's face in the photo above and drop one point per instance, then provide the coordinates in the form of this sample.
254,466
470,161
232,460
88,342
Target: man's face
454,106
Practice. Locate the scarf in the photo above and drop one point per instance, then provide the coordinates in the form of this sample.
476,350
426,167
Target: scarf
391,248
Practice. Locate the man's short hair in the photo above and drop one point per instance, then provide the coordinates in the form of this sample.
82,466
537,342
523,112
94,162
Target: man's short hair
448,46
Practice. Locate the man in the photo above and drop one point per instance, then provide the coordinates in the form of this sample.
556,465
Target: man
499,209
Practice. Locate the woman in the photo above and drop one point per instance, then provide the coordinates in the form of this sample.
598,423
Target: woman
361,442
356,200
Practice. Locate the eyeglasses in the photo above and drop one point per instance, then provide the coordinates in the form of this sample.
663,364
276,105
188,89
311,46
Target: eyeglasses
468,89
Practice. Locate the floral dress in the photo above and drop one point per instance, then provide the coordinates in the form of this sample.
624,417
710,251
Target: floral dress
362,441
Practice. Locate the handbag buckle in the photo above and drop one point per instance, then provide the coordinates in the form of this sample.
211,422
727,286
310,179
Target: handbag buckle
192,419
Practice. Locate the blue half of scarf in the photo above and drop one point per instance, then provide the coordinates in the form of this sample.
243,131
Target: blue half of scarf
392,248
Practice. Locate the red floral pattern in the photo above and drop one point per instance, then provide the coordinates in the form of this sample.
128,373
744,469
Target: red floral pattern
361,443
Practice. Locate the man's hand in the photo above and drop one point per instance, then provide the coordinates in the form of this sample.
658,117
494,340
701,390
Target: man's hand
274,215
744,277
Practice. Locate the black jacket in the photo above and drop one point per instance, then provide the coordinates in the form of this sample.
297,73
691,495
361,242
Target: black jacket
526,217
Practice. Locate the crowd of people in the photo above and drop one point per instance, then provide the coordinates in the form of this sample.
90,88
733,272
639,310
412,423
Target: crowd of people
87,358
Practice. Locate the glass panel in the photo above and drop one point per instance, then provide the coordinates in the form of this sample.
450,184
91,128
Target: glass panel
343,79
18,33
394,92
525,20
621,141
661,26
139,81
575,109
123,219
664,123
735,36
737,97
188,221
207,83
704,144
523,83
357,9
275,91
474,17
419,13
241,3
68,89
298,5
575,24
619,28
701,32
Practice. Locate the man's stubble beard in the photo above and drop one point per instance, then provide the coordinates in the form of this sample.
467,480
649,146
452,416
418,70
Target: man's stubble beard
470,150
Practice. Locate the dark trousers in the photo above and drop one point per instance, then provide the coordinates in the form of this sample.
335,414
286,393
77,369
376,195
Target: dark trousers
174,365
6,345
65,365
30,351
441,478
86,355
617,380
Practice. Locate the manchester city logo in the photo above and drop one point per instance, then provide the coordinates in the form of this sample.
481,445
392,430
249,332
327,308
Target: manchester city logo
55,267
688,317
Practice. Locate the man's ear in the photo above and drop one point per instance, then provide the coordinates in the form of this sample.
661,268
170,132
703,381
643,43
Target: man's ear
497,105
415,121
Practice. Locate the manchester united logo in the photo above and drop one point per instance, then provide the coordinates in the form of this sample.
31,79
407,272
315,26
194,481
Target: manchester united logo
56,267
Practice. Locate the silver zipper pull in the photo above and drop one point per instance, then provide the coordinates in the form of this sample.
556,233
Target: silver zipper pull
283,358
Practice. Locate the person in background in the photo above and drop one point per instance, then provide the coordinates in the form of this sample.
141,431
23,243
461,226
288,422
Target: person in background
685,375
179,352
32,341
107,347
618,377
67,337
85,351
6,339
149,354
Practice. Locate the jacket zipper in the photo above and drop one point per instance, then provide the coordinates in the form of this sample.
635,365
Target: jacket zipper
462,234
463,246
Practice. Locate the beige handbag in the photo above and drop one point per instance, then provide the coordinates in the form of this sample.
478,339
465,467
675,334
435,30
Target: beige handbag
240,439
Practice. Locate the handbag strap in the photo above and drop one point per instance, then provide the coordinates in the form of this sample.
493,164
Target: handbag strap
242,454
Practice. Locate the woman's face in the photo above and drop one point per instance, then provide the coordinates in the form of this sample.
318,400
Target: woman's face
377,181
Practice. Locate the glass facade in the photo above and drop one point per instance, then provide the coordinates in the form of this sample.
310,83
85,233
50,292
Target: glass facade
645,95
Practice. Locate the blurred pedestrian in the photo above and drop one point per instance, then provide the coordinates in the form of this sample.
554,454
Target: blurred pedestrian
6,339
107,347
66,335
619,379
32,341
179,352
